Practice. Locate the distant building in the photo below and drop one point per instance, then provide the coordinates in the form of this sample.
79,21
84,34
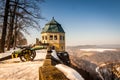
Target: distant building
54,35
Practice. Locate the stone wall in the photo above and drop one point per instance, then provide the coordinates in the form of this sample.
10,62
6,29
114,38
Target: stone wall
49,72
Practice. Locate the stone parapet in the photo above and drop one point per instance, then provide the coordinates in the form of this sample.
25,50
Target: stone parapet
49,72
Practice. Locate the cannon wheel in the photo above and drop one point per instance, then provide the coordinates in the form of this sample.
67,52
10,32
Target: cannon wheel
27,55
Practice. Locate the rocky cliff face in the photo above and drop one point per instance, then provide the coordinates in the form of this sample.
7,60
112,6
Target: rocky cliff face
110,71
90,60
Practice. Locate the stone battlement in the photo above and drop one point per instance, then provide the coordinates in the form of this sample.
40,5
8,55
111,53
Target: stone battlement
49,72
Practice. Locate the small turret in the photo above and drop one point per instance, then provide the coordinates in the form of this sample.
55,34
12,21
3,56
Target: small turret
54,35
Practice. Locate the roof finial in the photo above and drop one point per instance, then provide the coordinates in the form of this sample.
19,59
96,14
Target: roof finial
53,17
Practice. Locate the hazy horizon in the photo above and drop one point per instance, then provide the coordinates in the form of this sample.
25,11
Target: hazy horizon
103,46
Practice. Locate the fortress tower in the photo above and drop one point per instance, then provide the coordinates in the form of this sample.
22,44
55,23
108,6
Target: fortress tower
54,35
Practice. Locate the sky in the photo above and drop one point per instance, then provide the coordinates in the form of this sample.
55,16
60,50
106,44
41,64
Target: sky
86,22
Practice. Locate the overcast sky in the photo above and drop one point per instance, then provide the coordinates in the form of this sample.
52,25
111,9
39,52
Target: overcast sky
86,22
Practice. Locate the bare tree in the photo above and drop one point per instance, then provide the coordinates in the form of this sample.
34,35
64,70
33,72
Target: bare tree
3,37
11,26
27,13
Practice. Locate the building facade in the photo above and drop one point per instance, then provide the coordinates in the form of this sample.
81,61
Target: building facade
54,35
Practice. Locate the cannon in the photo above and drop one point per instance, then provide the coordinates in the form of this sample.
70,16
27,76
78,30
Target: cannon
27,53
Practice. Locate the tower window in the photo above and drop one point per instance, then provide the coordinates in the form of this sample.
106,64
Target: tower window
42,37
45,37
51,37
63,38
62,47
60,37
55,37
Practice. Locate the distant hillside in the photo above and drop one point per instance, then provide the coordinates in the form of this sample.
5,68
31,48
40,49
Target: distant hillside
96,46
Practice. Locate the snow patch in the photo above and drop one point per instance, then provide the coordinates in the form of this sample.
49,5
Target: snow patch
22,70
7,53
69,72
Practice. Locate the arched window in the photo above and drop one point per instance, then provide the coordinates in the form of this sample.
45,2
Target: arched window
62,47
55,37
51,37
63,38
42,37
60,37
45,37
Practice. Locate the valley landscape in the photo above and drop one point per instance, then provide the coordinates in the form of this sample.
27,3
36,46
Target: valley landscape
98,61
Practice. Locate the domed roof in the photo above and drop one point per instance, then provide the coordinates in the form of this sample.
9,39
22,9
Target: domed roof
52,27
